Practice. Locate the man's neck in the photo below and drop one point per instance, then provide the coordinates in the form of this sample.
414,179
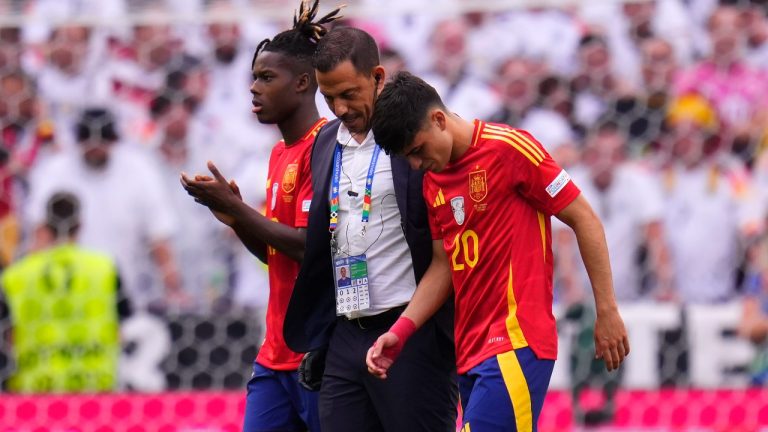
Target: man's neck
462,132
298,124
346,136
359,136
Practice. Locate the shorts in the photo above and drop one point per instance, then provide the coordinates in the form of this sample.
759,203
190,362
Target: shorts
277,402
505,392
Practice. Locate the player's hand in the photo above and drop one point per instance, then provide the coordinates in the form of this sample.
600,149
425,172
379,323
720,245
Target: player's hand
382,355
216,193
611,342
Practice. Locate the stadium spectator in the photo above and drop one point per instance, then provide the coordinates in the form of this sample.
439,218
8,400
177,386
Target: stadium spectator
711,207
633,223
552,119
595,85
488,43
71,56
517,85
736,90
217,133
135,70
760,170
470,96
24,134
754,318
407,33
11,49
201,245
756,29
391,60
125,209
550,35
64,299
628,25
234,133
642,111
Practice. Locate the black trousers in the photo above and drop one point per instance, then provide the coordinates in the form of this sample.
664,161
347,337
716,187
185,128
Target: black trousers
419,394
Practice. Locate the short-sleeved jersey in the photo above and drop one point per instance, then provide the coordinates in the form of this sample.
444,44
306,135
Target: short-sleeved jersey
492,209
289,192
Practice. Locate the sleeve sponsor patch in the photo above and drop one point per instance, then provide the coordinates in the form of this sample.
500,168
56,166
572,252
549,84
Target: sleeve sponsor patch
305,205
558,183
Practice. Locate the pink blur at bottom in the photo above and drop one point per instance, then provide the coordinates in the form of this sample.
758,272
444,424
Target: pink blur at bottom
662,410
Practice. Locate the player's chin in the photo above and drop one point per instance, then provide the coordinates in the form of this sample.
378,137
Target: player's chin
265,117
354,124
433,167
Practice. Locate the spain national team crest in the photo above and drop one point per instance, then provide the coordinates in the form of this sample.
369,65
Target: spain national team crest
457,206
289,178
478,185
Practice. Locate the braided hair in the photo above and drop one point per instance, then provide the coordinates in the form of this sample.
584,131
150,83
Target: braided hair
300,41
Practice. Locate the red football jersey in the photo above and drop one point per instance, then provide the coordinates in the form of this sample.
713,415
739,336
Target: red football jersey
289,192
492,210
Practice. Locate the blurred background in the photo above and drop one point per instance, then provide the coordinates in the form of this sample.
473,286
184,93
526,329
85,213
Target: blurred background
657,109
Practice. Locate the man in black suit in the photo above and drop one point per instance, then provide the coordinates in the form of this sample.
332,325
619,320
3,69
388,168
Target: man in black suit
368,210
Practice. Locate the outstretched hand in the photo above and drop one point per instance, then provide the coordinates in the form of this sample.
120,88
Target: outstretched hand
611,342
220,196
382,354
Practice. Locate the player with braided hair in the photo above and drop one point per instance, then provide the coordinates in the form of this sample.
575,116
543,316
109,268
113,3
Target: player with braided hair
283,90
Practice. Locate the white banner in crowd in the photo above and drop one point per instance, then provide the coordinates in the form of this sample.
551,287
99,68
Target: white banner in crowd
717,357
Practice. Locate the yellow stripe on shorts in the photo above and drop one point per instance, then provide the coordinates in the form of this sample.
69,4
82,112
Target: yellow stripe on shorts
517,387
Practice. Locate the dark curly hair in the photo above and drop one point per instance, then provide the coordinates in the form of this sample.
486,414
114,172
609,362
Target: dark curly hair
300,42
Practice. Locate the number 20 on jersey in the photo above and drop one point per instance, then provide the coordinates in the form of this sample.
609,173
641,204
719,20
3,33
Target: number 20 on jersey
466,250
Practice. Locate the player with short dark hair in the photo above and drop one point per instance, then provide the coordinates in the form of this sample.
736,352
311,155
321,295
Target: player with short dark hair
283,89
490,190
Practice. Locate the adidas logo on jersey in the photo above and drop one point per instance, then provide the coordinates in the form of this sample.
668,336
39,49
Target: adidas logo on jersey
439,199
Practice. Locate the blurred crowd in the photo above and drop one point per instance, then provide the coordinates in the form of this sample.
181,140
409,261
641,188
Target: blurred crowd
657,109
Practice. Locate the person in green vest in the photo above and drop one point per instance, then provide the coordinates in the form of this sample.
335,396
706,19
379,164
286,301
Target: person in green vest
63,303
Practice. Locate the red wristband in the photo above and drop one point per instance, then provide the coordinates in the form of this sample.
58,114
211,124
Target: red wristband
403,328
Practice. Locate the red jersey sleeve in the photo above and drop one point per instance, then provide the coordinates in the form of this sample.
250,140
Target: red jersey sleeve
539,179
304,194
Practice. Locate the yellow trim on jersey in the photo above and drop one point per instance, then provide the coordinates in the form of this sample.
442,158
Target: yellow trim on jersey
513,144
522,139
466,428
439,199
543,229
516,336
517,387
315,129
479,126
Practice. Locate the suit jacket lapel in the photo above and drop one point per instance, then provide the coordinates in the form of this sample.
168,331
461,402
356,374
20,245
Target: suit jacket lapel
321,172
400,177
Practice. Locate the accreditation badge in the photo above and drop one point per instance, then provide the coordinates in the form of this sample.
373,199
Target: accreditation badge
351,278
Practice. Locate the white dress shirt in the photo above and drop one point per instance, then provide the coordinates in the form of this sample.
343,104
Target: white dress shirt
390,267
